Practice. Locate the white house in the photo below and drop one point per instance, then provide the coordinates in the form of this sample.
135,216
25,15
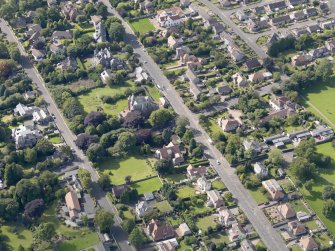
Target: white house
41,117
25,136
142,208
260,169
105,76
203,184
170,17
226,217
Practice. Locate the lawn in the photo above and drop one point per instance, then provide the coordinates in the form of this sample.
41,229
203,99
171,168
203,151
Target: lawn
327,173
219,238
185,192
84,241
218,185
164,206
55,140
295,247
92,100
147,186
22,236
135,166
175,178
258,196
204,223
153,92
142,26
311,225
321,95
298,206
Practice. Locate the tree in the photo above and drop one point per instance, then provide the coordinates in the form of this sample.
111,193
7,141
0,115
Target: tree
329,208
13,174
84,140
30,155
160,118
164,166
324,70
45,232
27,190
181,125
328,193
9,209
303,169
309,185
116,31
137,237
85,178
104,220
268,63
6,68
96,152
126,141
44,147
306,149
276,156
128,225
197,152
128,196
94,118
228,196
166,135
104,181
34,208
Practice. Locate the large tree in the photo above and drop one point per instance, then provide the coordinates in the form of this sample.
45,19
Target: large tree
116,31
137,237
94,118
276,156
164,166
329,208
160,118
45,232
104,220
303,169
34,208
13,174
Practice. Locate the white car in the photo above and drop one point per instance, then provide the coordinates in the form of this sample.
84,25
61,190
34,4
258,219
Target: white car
218,162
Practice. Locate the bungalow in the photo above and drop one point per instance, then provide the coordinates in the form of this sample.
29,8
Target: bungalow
303,216
72,204
284,113
170,151
255,26
276,6
311,12
252,64
142,208
319,52
324,8
314,29
239,80
236,233
307,243
226,217
298,15
159,230
240,15
69,11
279,21
235,53
286,211
203,184
68,34
214,199
328,25
259,10
228,125
256,77
296,228
183,230
301,59
170,17
299,32
196,172
25,136
297,2
174,43
330,45
38,54
224,90
274,189
260,169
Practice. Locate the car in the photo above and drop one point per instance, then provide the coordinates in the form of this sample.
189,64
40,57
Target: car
218,162
145,62
128,242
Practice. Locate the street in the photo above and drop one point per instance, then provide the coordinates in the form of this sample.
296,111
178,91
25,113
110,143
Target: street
263,227
69,137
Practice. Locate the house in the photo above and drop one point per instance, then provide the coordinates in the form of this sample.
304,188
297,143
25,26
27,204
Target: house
330,45
168,245
33,28
214,199
67,64
307,243
163,102
235,53
106,76
159,230
185,3
274,189
284,113
30,94
299,32
191,61
196,172
141,75
311,12
225,3
259,10
143,104
328,25
286,211
314,28
281,102
171,151
103,57
72,204
51,3
183,230
301,59
25,136
226,217
252,64
203,184
228,125
322,131
240,15
279,21
260,169
236,233
239,80
68,34
22,110
174,43
170,17
146,6
296,228
30,16
36,40
41,117
38,54
276,6
223,90
319,52
324,8
69,11
100,34
303,216
149,196
20,22
118,190
117,64
96,20
142,208
274,38
255,146
254,25
297,2
247,245
256,77
298,15
181,51
194,83
217,28
56,48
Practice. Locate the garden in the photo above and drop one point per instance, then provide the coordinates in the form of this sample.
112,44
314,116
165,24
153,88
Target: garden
142,26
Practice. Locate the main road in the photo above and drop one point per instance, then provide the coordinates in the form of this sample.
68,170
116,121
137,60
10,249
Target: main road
80,159
263,227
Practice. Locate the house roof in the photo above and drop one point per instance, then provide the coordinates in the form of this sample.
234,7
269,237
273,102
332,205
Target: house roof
118,190
308,243
160,230
214,195
297,227
197,172
252,63
286,210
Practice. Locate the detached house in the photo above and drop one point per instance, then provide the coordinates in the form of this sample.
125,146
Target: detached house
100,34
278,21
276,6
307,243
226,217
286,211
228,125
142,208
69,11
203,184
297,228
330,45
235,53
214,199
68,34
170,17
25,136
260,169
22,110
239,80
281,102
41,117
252,64
274,189
302,59
72,204
170,151
160,231
319,52
146,6
174,43
196,172
236,233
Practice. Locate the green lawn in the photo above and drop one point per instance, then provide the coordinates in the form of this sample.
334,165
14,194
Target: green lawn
204,223
218,185
22,236
142,26
135,166
149,185
299,206
219,238
258,196
295,247
84,241
164,206
311,225
153,92
175,178
55,140
321,95
92,100
185,191
327,173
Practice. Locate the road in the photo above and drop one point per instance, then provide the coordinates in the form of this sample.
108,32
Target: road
80,159
263,227
225,17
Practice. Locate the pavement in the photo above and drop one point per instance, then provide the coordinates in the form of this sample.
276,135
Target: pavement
80,159
261,224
